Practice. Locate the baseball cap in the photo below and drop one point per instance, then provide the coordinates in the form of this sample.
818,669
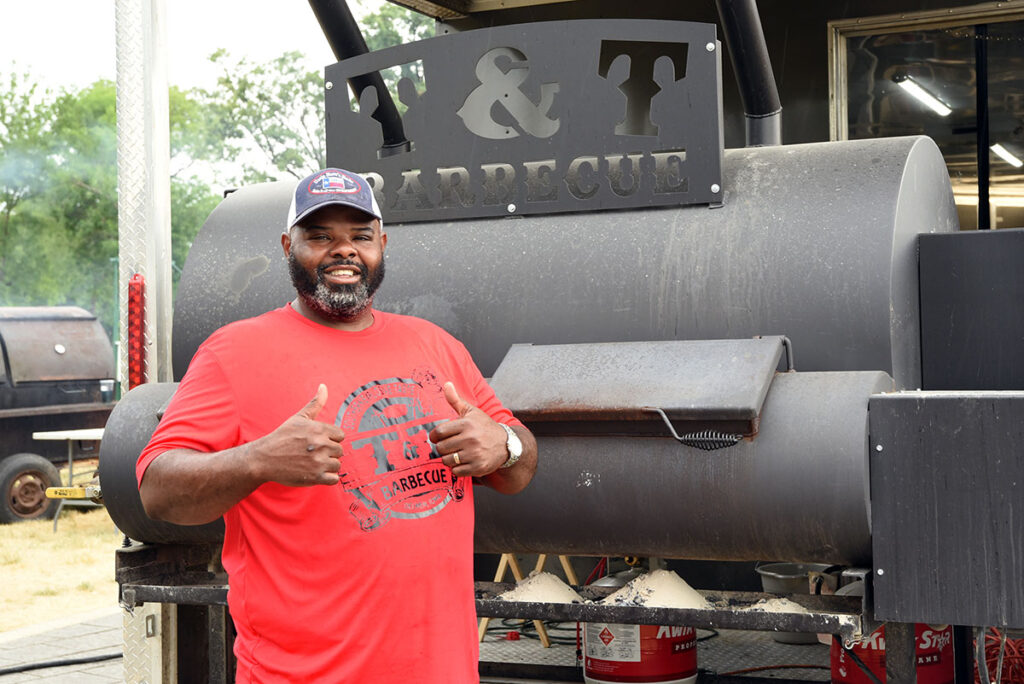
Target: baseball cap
331,186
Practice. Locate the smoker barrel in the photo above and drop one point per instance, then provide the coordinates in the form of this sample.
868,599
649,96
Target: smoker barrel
816,242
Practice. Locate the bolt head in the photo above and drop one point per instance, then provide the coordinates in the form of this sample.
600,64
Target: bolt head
878,447
511,208
710,47
716,188
329,85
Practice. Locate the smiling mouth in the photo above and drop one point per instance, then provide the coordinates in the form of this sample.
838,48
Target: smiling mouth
343,275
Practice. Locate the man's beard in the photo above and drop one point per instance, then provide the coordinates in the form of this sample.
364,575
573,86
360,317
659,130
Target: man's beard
335,302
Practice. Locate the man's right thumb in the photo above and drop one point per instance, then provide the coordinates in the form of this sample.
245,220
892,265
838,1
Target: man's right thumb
316,404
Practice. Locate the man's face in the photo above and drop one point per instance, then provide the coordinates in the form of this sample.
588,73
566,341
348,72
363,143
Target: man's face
336,261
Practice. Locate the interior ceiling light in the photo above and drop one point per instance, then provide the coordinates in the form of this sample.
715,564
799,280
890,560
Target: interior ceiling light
1007,156
922,95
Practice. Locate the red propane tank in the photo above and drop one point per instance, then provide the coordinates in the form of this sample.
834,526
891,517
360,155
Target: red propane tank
637,653
933,646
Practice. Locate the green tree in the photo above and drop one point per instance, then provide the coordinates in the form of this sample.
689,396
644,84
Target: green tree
272,115
25,116
393,25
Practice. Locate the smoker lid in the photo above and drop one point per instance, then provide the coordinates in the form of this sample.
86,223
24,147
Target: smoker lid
54,344
690,380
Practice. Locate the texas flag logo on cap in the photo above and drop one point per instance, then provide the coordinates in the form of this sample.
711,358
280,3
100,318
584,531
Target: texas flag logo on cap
333,181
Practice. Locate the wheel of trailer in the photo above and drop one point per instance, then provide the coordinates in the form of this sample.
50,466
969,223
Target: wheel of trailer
23,481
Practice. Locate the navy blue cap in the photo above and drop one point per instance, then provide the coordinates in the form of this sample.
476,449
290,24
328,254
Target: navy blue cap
331,186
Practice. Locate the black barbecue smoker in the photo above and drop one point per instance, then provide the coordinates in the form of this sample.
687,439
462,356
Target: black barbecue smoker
56,373
727,355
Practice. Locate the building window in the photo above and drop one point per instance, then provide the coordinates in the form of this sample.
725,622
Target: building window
954,75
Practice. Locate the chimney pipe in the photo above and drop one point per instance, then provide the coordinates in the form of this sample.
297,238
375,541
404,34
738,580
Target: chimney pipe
346,40
744,38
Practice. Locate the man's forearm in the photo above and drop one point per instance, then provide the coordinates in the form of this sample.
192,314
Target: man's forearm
192,488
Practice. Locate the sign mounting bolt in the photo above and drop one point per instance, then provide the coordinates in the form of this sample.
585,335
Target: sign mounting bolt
329,85
710,47
716,188
511,208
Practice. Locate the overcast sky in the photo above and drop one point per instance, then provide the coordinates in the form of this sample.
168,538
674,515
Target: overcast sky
71,43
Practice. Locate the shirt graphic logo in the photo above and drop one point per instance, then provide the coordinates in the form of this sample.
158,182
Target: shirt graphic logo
389,466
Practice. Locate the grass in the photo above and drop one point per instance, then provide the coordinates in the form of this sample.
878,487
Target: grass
51,575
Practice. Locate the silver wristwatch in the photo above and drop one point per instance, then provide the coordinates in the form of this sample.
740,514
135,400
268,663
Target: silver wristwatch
515,447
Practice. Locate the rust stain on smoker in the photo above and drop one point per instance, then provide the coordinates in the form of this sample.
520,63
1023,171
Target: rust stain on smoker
244,273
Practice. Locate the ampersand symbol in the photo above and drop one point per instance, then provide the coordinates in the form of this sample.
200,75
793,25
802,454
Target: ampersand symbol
502,87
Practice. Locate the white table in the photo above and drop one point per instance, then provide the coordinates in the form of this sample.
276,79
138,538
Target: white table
71,436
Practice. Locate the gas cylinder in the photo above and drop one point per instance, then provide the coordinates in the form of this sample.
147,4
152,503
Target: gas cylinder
649,654
933,645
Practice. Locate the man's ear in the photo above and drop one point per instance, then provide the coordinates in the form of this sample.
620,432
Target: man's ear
286,242
383,241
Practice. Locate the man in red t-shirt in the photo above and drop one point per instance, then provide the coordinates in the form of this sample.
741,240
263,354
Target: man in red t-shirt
348,516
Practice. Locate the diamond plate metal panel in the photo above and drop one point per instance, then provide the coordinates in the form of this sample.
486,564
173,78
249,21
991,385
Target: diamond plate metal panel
143,160
150,644
131,104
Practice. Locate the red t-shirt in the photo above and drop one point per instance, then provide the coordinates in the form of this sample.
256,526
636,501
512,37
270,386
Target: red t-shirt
370,580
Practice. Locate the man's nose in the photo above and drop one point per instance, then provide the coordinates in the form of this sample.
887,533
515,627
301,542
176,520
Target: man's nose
343,248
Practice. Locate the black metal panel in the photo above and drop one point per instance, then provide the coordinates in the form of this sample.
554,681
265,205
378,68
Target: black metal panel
539,118
972,310
947,497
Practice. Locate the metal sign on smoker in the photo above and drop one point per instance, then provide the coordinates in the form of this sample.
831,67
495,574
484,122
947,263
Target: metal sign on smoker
535,118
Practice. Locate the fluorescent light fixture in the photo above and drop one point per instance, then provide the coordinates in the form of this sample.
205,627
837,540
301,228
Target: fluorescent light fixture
922,95
1007,156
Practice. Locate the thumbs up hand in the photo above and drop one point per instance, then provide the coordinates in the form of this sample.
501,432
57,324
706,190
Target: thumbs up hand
472,444
302,451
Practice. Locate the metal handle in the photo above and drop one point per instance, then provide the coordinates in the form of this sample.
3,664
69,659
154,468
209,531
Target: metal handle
705,440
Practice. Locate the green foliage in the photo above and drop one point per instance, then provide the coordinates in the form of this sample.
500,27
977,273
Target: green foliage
272,114
393,25
25,117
